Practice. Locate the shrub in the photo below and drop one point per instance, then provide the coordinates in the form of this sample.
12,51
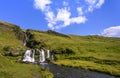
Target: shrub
7,48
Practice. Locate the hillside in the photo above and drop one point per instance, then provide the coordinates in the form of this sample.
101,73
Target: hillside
78,44
88,52
11,37
11,41
94,53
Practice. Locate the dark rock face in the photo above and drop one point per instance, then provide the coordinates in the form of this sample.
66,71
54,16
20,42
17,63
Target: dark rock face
20,34
31,42
12,54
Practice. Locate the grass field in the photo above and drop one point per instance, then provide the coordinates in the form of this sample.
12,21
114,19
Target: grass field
9,68
94,53
8,38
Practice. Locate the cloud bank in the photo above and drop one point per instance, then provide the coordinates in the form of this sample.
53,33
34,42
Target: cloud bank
113,31
61,14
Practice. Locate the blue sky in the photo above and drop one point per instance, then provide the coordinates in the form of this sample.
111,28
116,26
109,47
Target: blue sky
80,17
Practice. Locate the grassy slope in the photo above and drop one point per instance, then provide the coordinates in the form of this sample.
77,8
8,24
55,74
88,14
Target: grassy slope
8,37
8,67
91,52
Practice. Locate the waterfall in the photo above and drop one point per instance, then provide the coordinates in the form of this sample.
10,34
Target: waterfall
33,59
42,56
48,54
27,56
24,42
52,56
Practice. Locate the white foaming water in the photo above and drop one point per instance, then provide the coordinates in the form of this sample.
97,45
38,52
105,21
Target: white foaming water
24,43
52,56
42,56
48,54
33,59
27,56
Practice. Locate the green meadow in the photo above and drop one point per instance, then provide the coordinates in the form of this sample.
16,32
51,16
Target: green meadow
9,67
95,53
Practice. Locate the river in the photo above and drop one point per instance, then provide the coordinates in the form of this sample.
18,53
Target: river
67,72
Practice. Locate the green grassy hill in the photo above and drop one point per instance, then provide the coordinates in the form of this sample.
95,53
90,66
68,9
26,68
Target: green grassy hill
11,40
11,69
88,52
11,37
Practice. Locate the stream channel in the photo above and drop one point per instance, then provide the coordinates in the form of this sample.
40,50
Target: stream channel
68,72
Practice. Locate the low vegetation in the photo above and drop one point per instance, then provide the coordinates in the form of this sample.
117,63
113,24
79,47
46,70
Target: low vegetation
10,38
94,53
11,69
11,43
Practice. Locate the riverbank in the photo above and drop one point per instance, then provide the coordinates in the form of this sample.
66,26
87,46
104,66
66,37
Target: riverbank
87,65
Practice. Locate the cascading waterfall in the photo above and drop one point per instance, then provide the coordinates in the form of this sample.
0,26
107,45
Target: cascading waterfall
27,56
48,54
42,55
24,42
33,59
52,56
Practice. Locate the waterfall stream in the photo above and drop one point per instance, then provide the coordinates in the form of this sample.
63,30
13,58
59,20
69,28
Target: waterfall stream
69,72
48,54
33,58
27,56
60,71
24,42
42,56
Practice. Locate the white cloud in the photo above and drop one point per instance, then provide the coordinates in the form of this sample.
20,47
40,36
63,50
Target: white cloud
65,3
63,15
100,3
90,8
92,4
42,4
50,18
80,10
60,15
78,20
113,31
